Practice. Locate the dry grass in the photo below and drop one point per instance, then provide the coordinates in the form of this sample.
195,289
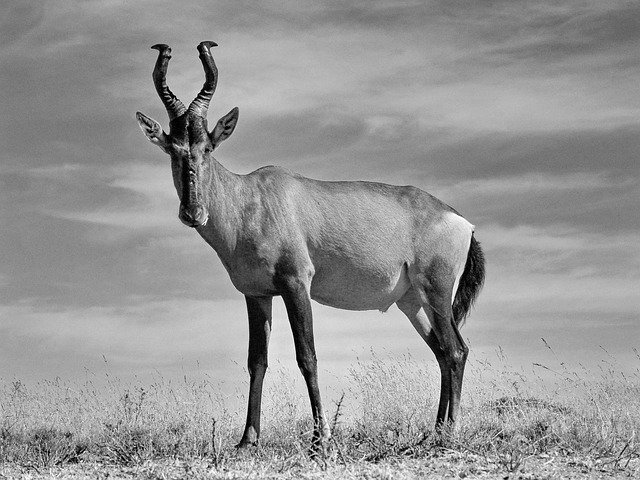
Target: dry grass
579,424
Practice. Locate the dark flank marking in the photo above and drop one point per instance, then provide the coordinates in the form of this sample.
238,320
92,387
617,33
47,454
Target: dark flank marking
284,270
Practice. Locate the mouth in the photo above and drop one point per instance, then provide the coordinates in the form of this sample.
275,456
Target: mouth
201,224
195,224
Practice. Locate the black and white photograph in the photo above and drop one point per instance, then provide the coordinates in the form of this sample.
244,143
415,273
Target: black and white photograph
331,239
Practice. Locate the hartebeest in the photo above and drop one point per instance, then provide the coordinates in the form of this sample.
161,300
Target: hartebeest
350,245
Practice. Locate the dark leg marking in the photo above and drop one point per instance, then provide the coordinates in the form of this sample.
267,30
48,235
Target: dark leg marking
432,296
298,303
259,310
445,380
451,352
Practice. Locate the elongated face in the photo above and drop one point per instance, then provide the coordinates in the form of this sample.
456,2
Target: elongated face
189,143
190,165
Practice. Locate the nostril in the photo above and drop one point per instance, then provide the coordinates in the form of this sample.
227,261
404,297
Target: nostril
193,216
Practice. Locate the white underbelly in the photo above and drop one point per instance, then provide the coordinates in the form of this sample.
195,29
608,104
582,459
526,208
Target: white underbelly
350,291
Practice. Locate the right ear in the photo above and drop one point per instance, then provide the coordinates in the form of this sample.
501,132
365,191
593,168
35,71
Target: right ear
153,131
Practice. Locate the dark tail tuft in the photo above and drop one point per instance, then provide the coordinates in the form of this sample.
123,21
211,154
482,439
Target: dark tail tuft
470,282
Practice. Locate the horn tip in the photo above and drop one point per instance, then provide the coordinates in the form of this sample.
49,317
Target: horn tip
206,45
161,47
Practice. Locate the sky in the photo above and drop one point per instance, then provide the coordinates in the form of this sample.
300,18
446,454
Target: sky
524,116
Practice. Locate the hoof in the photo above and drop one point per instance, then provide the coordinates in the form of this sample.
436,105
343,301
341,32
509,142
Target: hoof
320,448
246,445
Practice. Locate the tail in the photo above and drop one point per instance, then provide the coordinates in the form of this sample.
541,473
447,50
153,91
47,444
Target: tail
470,282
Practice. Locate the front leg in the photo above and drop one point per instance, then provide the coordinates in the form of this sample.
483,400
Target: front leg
298,303
259,310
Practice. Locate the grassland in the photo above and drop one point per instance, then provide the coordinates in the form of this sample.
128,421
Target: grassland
562,423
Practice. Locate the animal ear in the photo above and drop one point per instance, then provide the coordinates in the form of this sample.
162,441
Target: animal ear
225,126
153,131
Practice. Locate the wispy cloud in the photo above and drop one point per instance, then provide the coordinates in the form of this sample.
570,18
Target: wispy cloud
540,183
141,195
144,335
87,235
566,251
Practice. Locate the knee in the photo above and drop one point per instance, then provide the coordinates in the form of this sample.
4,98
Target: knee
458,358
257,366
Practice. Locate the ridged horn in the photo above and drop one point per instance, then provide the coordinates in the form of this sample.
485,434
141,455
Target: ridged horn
175,107
200,104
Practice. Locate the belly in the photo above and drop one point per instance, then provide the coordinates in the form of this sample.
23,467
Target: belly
348,288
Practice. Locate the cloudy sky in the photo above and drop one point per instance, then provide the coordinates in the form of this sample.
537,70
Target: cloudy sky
525,116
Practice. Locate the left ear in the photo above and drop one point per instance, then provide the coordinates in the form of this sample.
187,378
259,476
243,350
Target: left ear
225,126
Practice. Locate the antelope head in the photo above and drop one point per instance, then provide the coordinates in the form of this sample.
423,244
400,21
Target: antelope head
189,143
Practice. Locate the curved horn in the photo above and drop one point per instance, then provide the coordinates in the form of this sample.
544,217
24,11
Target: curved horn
201,103
175,107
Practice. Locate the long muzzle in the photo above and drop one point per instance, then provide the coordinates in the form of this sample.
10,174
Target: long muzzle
193,215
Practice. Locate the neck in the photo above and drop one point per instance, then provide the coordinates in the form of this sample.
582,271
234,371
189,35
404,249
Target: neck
224,202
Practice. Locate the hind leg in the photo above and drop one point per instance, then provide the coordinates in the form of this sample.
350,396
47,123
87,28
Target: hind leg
428,307
436,303
411,307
